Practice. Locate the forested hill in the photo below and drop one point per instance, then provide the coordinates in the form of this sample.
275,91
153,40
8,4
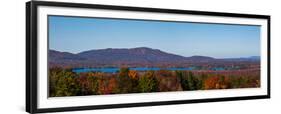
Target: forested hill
141,56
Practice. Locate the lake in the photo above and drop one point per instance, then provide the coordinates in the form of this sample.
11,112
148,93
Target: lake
115,69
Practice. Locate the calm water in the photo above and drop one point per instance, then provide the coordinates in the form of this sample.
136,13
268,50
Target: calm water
114,70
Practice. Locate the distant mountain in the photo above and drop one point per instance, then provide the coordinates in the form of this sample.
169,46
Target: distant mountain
56,55
255,57
63,59
141,56
200,58
251,58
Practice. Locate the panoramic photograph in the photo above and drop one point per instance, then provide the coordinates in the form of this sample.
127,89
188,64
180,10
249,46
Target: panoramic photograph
105,56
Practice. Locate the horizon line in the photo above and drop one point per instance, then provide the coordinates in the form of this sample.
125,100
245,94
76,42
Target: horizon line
156,49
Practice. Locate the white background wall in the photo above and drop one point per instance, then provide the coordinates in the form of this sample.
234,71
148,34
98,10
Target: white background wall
12,56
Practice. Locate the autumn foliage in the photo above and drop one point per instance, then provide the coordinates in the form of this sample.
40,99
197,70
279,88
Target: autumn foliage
64,82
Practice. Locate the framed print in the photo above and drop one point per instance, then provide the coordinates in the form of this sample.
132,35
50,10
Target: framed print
86,56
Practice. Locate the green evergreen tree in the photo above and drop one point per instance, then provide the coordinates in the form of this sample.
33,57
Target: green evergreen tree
148,82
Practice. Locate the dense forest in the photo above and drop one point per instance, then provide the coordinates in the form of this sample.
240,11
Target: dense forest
65,82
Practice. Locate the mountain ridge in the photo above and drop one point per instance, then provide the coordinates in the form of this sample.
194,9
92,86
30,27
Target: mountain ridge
140,56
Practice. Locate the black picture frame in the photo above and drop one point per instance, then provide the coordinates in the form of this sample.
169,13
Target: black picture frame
32,54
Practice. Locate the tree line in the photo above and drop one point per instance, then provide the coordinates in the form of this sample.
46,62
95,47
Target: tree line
64,82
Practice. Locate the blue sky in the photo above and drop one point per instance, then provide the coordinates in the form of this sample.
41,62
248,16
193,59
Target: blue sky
76,34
